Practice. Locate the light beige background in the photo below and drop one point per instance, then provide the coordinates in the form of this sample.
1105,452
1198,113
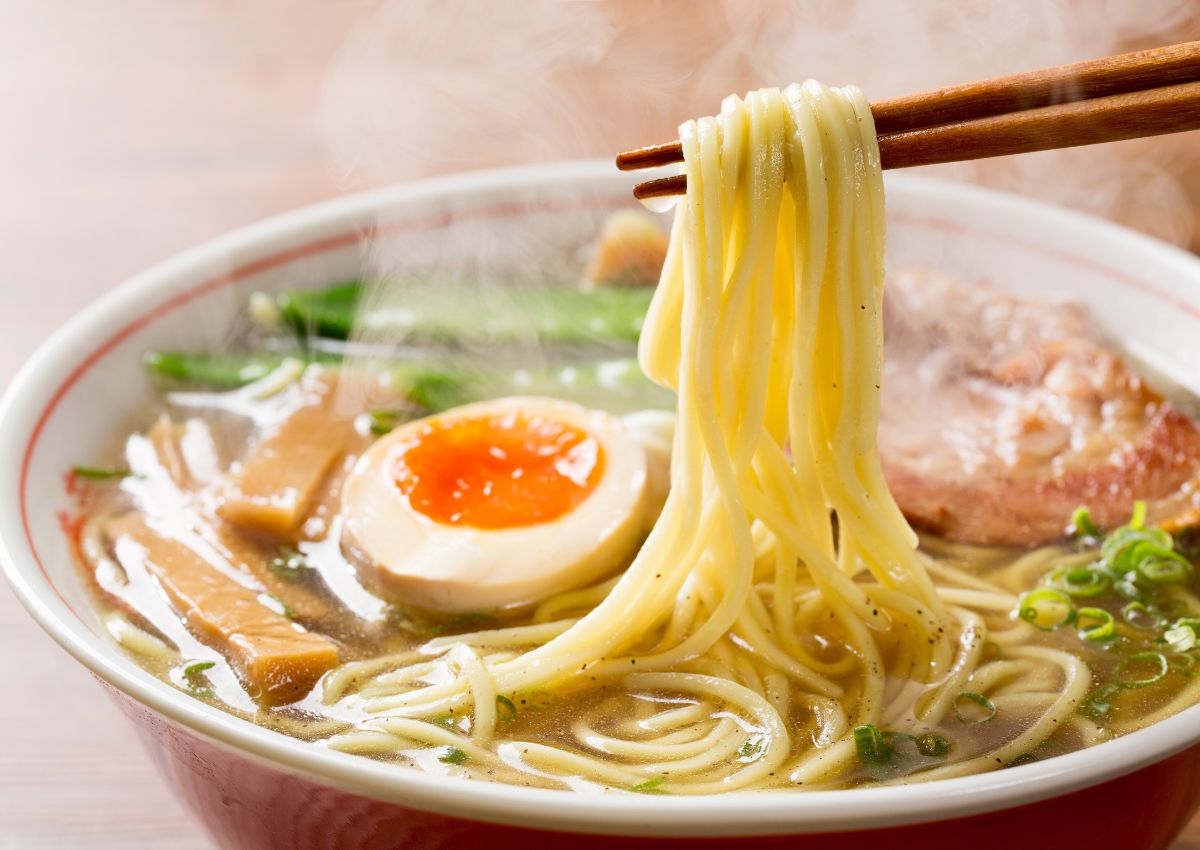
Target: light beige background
132,129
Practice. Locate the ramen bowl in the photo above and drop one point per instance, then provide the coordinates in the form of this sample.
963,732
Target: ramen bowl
254,788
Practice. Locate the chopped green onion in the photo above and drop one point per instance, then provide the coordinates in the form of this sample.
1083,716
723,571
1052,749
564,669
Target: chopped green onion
1181,637
1046,608
1127,548
872,751
1165,568
505,709
1140,616
1095,624
933,745
1155,660
887,752
1091,580
383,421
752,748
970,697
453,756
1099,703
1082,524
97,473
1138,519
193,678
650,786
289,564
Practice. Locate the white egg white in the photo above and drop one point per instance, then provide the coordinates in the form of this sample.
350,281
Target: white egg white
415,559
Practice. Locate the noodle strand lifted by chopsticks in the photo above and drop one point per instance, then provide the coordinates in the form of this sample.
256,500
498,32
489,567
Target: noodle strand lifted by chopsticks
767,324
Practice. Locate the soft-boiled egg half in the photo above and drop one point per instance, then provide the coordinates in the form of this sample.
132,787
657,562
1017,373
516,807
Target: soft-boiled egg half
496,504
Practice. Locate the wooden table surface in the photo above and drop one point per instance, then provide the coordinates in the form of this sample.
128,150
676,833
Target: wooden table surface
129,130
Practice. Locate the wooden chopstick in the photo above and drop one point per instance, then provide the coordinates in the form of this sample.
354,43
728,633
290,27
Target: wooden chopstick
1146,93
1110,75
1154,112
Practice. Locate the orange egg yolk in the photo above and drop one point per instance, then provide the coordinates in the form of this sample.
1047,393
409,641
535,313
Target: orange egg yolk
501,471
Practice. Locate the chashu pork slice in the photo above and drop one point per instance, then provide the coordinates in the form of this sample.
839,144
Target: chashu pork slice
1002,414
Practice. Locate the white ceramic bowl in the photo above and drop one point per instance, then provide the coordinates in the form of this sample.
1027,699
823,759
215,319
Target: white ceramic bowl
256,788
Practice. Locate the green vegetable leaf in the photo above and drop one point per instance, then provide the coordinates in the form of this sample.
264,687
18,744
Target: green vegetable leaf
97,473
194,667
505,710
454,755
650,786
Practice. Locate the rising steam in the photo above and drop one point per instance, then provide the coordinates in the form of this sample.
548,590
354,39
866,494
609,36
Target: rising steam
432,86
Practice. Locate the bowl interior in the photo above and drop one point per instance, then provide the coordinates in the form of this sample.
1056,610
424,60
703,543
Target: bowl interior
87,386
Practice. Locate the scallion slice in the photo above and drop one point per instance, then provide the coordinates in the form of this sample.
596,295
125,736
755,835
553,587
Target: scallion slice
97,473
932,745
1141,616
193,667
505,709
752,748
1082,524
1046,608
650,786
196,683
1152,665
967,698
872,751
1091,580
1182,636
1095,624
1164,568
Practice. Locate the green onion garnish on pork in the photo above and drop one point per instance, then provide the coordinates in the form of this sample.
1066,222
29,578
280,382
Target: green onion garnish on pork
1082,524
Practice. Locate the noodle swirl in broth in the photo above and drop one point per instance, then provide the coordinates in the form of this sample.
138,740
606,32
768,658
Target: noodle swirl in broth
767,324
778,628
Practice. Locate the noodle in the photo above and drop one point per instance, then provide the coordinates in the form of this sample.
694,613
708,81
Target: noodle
779,607
767,325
